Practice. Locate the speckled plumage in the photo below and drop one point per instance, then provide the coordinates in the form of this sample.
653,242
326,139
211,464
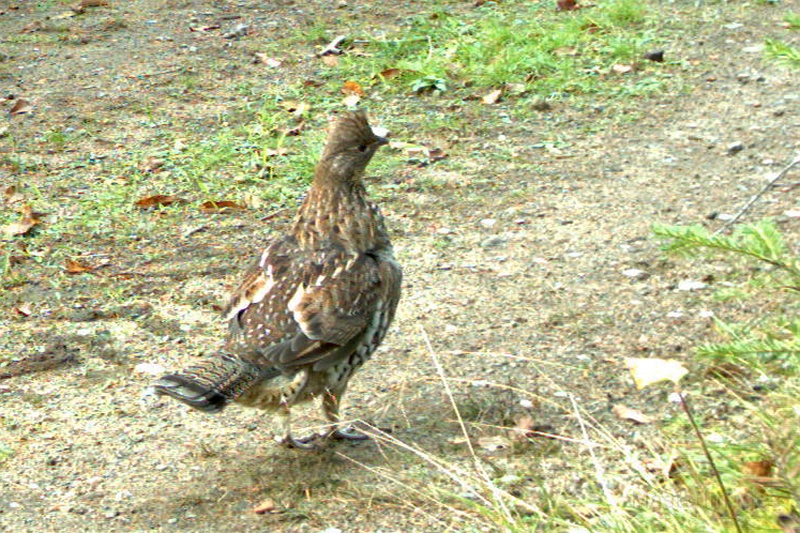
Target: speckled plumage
316,304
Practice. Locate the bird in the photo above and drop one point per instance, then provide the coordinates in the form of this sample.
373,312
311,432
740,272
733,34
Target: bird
315,304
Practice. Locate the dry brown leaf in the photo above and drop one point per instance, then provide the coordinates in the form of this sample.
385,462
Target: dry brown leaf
271,62
758,469
202,29
390,73
12,195
81,6
151,164
20,106
331,60
648,371
436,154
74,267
295,131
313,83
524,429
157,200
222,206
296,108
494,444
267,506
492,97
352,87
634,415
566,5
21,227
272,152
24,309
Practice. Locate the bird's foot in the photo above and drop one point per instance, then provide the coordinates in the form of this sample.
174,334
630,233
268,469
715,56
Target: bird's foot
347,433
310,442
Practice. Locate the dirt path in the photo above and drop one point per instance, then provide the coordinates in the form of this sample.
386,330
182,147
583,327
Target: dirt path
513,266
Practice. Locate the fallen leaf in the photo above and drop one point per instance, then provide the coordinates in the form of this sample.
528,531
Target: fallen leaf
24,309
296,108
21,227
758,469
74,267
151,164
271,62
436,154
20,107
331,60
691,285
157,200
12,195
567,5
524,429
390,73
652,370
621,69
223,206
205,28
271,152
494,444
634,415
267,506
657,465
152,369
295,130
81,6
516,88
492,97
313,83
352,87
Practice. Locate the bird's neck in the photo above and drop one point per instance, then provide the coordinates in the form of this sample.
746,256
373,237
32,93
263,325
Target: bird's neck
339,213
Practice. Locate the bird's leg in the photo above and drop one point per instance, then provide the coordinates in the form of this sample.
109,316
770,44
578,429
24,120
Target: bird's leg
330,406
287,439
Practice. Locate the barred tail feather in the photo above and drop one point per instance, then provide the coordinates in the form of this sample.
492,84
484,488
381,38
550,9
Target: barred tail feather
210,386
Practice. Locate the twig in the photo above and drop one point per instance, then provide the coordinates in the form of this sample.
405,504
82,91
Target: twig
440,370
707,453
758,195
333,47
599,472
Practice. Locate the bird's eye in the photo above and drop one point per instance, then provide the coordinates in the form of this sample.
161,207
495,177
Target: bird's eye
363,148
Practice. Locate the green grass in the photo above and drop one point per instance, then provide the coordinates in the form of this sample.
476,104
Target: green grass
552,54
782,53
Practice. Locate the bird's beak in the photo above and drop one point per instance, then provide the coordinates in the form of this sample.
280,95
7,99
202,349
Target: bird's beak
382,134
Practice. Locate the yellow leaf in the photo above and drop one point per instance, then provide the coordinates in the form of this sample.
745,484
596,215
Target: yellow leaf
648,371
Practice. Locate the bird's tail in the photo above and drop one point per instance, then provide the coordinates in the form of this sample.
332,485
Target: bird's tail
211,385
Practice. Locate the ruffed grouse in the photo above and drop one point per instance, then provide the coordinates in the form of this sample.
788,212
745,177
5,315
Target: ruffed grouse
315,306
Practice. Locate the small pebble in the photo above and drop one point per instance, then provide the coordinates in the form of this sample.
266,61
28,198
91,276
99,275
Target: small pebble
493,242
735,147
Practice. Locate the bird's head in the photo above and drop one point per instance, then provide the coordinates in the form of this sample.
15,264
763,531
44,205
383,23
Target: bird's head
350,146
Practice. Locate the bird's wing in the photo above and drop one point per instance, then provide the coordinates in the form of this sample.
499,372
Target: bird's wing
290,312
335,307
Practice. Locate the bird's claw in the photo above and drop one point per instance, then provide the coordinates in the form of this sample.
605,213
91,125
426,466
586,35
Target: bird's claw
309,442
347,433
